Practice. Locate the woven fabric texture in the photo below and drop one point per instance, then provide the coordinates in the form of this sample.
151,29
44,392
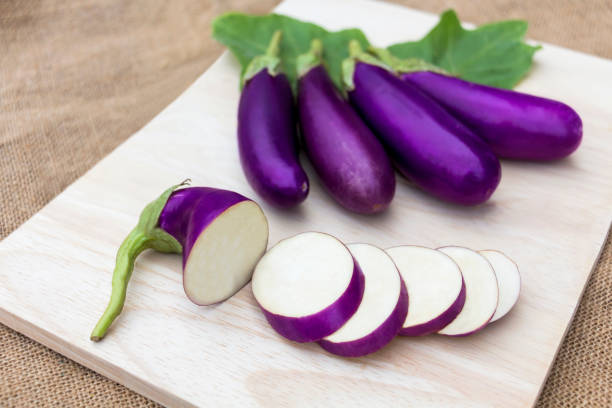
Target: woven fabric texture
78,78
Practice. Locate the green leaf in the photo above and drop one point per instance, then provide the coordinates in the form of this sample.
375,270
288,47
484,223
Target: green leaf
248,36
493,54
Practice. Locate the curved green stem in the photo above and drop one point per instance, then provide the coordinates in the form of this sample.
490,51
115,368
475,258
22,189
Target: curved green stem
311,59
403,66
145,235
270,60
132,246
356,53
274,46
355,49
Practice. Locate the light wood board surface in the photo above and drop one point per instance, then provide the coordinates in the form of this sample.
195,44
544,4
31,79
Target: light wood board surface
551,218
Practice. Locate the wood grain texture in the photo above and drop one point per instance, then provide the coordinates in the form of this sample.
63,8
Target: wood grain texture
538,216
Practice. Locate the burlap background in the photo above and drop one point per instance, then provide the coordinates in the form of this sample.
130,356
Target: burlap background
77,78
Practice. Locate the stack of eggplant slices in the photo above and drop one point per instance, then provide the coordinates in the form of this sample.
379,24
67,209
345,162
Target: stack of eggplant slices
444,134
354,299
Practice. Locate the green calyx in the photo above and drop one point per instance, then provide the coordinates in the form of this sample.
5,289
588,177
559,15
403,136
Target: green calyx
146,235
403,66
356,54
313,58
270,60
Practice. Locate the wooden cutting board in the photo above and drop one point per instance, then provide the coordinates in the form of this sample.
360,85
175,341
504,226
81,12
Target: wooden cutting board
552,218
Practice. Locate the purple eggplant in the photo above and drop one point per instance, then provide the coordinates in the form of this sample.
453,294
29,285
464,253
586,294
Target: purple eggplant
267,132
427,144
515,125
350,161
221,235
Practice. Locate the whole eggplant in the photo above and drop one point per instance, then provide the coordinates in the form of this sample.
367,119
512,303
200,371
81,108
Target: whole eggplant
515,125
350,161
267,132
427,144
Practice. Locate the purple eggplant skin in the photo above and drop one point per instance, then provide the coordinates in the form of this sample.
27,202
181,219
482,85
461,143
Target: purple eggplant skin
350,161
267,140
427,144
515,125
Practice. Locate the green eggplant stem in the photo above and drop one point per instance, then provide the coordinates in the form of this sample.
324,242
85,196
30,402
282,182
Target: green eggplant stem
132,246
145,235
356,53
407,65
274,45
270,60
355,50
305,62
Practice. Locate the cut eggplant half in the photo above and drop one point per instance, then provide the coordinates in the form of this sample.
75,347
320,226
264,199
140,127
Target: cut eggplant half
435,288
382,310
220,233
308,286
481,292
223,256
223,235
508,281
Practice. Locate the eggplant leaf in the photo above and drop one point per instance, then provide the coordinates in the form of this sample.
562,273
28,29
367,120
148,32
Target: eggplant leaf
248,36
492,54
